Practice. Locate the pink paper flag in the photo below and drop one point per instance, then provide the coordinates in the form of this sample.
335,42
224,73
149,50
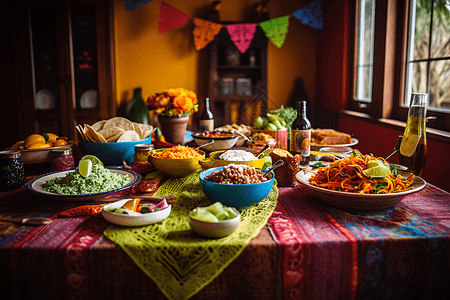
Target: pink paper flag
242,35
170,17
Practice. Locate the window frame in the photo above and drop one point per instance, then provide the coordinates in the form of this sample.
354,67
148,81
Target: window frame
389,79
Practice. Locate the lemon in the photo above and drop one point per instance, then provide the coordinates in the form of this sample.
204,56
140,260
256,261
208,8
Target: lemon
94,159
85,167
379,171
409,144
34,139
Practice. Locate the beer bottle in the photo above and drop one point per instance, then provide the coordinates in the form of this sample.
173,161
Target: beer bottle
206,120
301,134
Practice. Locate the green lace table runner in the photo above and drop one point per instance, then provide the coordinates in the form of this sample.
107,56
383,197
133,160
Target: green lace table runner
180,262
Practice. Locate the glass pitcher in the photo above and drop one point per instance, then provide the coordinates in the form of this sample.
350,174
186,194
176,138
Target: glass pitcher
413,149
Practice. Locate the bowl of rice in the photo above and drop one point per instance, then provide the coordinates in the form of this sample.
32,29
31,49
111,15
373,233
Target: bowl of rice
225,157
177,161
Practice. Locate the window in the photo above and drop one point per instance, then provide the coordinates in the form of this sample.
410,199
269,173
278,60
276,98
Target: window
402,47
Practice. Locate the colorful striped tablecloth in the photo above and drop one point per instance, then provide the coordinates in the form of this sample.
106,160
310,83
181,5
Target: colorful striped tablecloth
308,250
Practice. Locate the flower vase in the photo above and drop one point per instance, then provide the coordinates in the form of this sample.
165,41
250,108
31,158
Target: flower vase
174,128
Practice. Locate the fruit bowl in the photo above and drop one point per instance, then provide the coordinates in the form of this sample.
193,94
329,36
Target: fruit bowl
214,230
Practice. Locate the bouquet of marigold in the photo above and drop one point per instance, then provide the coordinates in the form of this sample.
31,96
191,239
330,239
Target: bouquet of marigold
173,102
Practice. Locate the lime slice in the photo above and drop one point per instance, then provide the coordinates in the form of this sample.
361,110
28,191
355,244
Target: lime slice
95,160
409,144
85,167
377,172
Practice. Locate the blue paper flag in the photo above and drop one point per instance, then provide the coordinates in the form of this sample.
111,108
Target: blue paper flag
311,14
131,5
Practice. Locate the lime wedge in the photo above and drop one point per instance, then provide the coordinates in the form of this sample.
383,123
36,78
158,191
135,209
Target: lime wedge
215,208
85,167
201,214
95,160
409,144
377,172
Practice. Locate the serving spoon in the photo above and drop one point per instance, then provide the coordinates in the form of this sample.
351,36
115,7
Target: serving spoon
243,135
264,149
279,163
205,144
29,221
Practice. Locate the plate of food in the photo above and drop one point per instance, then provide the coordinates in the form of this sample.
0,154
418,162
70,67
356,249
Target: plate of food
321,138
70,185
360,182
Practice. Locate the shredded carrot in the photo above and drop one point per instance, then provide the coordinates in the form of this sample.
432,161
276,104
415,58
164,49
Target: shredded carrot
178,152
347,175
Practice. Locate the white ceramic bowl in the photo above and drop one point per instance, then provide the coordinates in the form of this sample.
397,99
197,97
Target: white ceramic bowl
127,220
215,230
220,143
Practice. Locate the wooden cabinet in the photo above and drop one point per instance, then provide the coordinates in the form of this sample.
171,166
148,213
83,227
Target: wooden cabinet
64,61
237,81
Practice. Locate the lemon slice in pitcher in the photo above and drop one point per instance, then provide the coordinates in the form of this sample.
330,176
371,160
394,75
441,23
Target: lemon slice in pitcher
85,167
409,144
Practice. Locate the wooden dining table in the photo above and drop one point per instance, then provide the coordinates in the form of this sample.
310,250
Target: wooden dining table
307,250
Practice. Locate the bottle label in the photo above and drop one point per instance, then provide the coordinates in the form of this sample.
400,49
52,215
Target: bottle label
301,141
206,125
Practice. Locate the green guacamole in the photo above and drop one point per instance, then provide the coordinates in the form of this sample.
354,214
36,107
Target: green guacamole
100,180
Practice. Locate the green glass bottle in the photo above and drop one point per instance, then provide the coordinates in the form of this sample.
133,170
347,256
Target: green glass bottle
137,110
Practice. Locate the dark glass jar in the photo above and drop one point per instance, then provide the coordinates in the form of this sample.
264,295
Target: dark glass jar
62,159
12,174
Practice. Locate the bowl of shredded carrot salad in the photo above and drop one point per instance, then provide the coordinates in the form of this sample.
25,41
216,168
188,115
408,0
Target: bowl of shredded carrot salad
177,161
348,182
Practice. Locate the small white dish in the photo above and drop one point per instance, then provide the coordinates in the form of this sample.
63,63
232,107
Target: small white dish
214,230
131,221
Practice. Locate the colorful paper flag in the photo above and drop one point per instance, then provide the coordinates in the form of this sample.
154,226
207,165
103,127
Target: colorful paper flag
170,17
311,14
242,35
276,30
131,5
204,32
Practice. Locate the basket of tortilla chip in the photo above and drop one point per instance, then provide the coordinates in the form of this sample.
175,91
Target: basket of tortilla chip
113,140
285,174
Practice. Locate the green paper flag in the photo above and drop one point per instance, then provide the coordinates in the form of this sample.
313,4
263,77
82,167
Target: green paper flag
276,30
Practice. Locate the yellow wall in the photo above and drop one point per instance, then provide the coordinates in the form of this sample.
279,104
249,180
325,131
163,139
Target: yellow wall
156,61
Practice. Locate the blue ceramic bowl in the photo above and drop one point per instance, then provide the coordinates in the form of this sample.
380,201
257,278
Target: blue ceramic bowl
235,195
112,153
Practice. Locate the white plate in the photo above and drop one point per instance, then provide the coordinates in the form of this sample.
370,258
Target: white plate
317,147
89,99
35,186
358,201
127,220
44,100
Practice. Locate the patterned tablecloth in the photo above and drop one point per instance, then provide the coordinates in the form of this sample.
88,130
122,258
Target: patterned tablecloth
308,250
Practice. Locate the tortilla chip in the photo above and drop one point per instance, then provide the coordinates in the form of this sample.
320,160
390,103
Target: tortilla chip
138,129
98,125
120,122
109,132
93,135
114,138
129,136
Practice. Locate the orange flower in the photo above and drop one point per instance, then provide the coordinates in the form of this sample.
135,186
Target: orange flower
174,101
